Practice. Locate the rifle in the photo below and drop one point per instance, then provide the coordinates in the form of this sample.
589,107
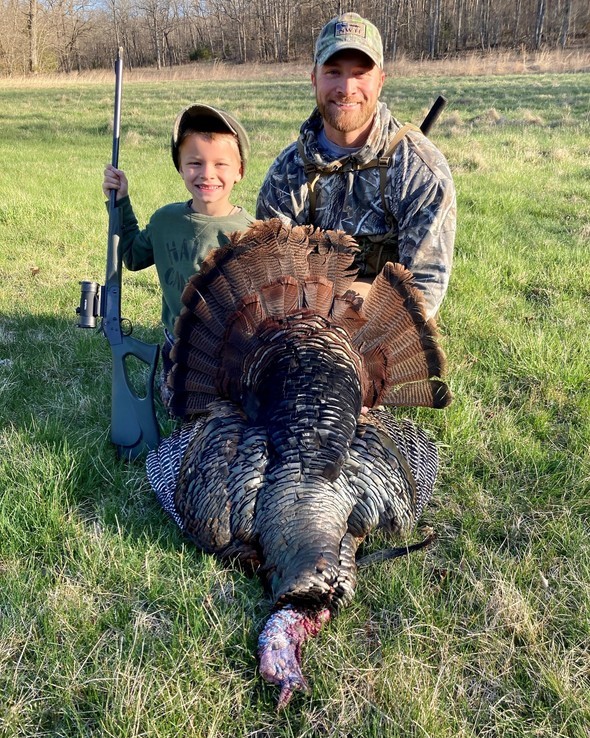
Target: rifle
433,114
134,427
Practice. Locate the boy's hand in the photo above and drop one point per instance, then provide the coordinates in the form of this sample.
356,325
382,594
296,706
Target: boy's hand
115,179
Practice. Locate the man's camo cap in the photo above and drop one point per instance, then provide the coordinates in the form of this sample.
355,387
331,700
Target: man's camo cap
349,31
212,120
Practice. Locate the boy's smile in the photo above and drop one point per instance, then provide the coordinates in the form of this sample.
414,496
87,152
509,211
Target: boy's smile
210,165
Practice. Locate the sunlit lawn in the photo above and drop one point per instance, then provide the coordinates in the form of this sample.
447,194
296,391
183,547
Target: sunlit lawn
112,625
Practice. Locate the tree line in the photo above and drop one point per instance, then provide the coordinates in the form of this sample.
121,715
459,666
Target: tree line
68,35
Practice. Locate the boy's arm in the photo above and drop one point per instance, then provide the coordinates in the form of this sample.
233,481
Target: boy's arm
136,245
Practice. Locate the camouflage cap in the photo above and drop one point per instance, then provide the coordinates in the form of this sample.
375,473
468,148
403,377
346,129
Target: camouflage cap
349,31
210,120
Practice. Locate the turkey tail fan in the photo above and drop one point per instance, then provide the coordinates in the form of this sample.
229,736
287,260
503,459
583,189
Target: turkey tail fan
399,345
269,272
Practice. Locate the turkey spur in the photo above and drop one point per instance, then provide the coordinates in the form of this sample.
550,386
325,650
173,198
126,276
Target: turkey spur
278,463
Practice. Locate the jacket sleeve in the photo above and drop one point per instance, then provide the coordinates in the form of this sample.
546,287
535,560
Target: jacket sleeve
427,223
136,245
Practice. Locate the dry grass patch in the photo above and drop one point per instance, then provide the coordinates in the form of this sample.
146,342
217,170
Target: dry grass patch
528,118
493,63
490,117
133,139
509,609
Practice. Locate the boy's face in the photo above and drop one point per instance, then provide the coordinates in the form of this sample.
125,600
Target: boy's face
209,169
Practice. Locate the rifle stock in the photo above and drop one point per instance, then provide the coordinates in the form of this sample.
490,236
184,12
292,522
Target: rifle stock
134,428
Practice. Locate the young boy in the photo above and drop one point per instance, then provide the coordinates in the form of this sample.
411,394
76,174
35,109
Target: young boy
210,149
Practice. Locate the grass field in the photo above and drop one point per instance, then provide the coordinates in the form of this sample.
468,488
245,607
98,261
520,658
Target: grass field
112,625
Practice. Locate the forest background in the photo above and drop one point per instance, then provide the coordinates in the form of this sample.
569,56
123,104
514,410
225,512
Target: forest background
77,35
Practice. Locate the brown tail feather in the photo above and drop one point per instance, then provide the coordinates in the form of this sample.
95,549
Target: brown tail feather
428,393
393,304
318,295
191,333
186,404
397,343
281,297
347,312
333,257
191,380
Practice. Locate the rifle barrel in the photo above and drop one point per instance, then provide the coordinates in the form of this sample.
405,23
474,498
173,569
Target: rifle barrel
117,117
112,303
433,114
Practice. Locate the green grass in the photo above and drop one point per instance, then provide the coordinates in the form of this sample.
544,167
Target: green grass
112,625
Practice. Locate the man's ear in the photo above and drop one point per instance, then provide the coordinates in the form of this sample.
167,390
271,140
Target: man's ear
313,77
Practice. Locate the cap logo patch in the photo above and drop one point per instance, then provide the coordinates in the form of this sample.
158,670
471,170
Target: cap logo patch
350,29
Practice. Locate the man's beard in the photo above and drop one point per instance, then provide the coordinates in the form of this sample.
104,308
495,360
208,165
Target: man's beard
345,121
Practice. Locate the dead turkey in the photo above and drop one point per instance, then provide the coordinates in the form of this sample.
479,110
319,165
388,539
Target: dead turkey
277,465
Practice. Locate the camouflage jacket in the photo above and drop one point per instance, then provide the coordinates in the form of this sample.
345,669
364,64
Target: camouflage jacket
419,194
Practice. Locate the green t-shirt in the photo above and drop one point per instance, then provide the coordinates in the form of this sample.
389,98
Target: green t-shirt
176,240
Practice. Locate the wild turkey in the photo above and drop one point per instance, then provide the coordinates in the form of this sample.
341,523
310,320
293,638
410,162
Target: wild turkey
286,472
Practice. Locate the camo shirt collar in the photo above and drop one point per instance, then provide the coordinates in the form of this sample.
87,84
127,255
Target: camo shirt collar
383,128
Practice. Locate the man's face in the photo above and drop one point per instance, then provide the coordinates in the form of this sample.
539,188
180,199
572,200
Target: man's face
347,88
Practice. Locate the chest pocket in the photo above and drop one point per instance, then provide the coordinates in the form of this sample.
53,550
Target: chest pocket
375,250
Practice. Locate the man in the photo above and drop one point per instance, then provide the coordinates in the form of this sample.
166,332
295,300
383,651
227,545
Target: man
354,167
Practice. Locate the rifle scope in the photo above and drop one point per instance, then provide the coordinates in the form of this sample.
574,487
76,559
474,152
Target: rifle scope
90,304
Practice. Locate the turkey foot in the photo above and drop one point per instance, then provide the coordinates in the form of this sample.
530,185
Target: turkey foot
279,648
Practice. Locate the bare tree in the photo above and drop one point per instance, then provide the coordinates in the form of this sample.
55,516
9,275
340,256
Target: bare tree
434,27
539,21
32,31
159,17
70,21
565,23
76,34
